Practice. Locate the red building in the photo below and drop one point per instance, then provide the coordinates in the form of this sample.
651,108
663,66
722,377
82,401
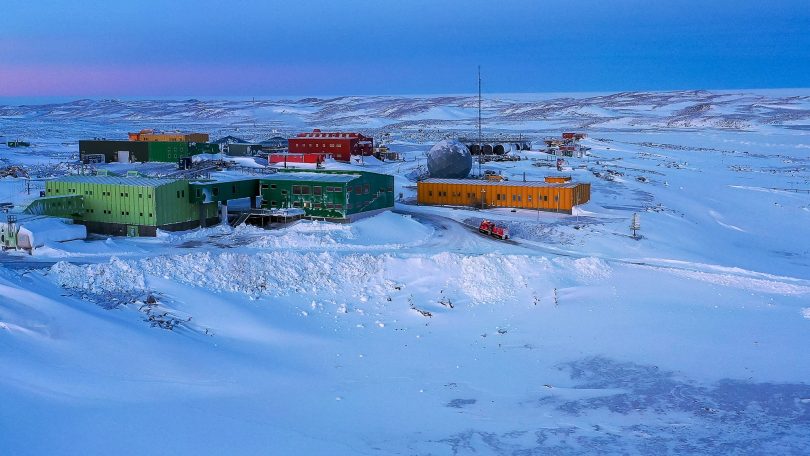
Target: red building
341,146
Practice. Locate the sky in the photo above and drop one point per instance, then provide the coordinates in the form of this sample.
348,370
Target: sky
359,47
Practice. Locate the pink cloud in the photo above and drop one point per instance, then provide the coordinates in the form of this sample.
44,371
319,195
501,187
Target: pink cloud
149,79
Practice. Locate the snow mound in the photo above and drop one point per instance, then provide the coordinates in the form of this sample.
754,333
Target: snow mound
476,279
117,275
385,230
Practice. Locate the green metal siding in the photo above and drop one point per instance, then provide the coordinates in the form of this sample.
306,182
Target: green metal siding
329,204
376,191
165,151
371,192
223,190
71,206
110,203
173,205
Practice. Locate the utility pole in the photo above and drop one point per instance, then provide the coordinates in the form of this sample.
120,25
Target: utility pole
480,150
635,225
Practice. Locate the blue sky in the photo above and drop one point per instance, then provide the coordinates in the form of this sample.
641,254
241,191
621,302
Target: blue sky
305,47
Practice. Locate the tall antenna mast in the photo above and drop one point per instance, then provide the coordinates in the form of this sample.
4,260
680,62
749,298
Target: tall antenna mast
480,150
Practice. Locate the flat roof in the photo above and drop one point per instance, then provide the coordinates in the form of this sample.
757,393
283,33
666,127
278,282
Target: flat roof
138,181
320,177
222,180
487,183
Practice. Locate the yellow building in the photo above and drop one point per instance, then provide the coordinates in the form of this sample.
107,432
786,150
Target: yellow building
545,196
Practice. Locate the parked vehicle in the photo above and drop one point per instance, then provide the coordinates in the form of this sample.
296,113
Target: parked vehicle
492,229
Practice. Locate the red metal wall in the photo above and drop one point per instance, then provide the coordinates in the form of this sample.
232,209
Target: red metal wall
295,158
341,146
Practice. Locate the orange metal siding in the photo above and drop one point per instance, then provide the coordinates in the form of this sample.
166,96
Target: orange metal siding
473,194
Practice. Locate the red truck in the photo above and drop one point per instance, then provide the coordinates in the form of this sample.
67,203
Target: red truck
491,229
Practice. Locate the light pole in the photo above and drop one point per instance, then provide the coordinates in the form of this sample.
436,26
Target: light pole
483,197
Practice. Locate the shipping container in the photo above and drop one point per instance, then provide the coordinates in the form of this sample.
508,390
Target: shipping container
555,197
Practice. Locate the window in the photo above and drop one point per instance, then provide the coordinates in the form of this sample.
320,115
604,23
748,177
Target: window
366,189
215,191
358,190
273,203
316,190
140,195
264,187
273,186
330,206
284,192
233,189
545,197
338,206
296,204
141,214
183,193
305,189
199,193
296,189
317,205
430,192
529,198
178,193
150,215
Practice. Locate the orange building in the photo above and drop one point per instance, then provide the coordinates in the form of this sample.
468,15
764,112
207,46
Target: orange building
150,135
545,196
557,179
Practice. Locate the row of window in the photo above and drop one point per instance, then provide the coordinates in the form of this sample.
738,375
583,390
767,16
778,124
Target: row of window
107,211
498,196
314,205
90,192
333,145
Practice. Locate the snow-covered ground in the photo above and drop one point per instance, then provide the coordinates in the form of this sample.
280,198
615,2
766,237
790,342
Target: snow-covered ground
409,332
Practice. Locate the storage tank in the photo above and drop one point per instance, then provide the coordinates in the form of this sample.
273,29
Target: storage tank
449,159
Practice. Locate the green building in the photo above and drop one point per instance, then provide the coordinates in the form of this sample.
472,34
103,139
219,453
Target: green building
133,206
139,206
330,195
143,151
